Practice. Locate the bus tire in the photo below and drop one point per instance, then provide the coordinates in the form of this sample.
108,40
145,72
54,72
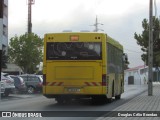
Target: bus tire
117,97
109,100
113,89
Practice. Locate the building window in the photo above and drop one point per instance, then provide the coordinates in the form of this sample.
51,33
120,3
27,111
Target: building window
4,30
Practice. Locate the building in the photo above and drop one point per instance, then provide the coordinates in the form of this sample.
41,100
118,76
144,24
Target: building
136,76
12,69
5,26
139,75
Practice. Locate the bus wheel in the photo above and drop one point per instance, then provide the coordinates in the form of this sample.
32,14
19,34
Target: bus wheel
113,89
117,97
109,100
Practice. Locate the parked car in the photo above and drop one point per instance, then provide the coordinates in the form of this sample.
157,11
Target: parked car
19,83
33,82
8,84
2,87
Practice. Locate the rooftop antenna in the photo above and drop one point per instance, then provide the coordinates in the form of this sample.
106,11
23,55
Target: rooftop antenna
96,25
30,3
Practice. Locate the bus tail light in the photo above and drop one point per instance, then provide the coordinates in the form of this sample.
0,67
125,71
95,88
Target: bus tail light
74,38
104,81
44,79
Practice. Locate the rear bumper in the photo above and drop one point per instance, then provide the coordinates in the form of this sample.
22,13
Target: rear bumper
74,90
9,87
72,96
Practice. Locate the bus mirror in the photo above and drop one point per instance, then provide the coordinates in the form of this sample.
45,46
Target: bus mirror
125,58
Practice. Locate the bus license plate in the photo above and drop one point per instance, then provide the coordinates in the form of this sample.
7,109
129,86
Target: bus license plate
73,89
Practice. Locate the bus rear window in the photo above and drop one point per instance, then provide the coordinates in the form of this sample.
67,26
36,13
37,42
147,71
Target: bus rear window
74,51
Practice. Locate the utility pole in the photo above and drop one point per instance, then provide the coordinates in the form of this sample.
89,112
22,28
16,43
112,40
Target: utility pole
30,2
96,25
150,51
1,37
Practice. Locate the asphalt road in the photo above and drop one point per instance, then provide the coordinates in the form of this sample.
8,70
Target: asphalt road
84,108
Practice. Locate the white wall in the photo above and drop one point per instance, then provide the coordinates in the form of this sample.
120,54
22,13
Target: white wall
139,78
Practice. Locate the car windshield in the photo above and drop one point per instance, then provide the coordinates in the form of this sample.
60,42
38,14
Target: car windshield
74,51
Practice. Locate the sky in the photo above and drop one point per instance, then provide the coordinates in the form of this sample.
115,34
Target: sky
120,19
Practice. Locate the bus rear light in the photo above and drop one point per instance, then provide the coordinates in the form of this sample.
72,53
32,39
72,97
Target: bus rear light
44,79
104,81
74,38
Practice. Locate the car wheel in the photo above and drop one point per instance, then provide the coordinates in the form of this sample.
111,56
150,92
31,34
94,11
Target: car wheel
30,90
6,93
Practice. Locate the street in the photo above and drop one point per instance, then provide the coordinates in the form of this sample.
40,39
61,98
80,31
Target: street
82,108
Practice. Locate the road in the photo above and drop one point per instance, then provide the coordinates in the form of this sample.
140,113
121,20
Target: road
83,108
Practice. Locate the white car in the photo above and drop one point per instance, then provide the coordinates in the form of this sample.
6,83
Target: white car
8,83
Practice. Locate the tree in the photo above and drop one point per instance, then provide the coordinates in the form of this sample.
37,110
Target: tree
143,40
4,59
26,51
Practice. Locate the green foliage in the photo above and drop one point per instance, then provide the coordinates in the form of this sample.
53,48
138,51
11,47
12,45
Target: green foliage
26,51
4,59
143,40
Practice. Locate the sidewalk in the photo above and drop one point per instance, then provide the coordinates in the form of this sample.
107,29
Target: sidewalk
138,106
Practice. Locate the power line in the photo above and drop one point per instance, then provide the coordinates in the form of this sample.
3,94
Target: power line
133,51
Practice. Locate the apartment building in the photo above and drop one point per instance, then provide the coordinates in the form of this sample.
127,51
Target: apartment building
4,28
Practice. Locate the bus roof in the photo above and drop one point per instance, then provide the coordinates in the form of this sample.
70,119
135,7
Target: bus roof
109,39
114,43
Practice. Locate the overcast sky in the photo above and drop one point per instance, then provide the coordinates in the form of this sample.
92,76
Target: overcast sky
121,19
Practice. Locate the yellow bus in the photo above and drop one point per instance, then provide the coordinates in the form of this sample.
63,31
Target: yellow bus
82,65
